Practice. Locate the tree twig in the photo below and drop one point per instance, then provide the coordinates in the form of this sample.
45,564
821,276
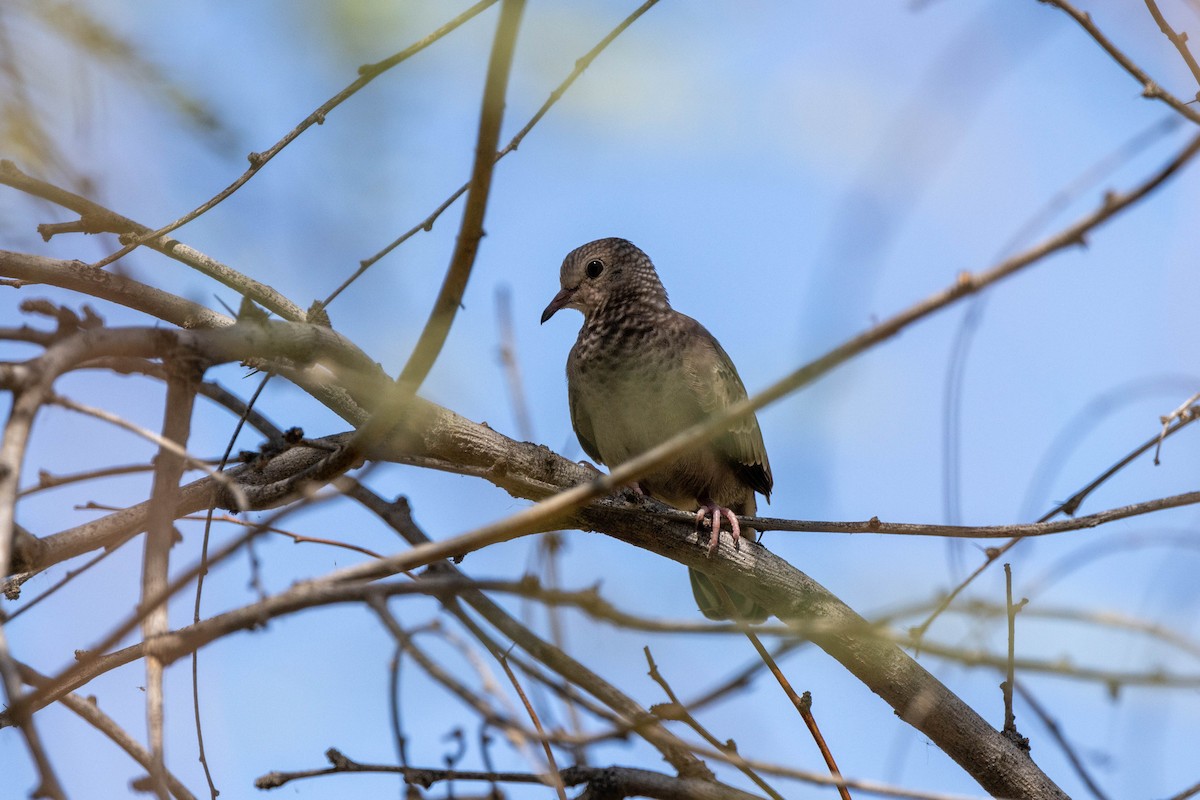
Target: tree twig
554,776
1057,734
184,372
259,160
1010,719
426,224
802,704
1150,89
1179,40
677,710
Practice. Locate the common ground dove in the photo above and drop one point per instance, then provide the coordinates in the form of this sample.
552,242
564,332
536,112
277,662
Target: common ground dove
639,373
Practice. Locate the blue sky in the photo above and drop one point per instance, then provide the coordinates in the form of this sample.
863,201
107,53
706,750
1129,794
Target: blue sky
797,172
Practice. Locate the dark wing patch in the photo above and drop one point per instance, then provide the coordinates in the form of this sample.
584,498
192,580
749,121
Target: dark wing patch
717,385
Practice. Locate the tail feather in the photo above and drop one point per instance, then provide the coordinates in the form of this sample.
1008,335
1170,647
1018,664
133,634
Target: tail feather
712,605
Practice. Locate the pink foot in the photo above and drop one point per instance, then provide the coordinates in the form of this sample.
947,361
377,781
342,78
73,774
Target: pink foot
719,512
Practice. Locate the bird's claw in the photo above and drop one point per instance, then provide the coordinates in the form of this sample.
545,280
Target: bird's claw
718,513
634,493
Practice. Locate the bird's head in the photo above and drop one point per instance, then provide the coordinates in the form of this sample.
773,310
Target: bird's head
604,270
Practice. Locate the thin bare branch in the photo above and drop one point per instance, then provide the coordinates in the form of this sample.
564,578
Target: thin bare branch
427,224
802,704
1011,609
676,709
449,298
617,781
95,218
1068,506
88,710
1057,733
259,160
1179,40
188,460
1150,89
555,779
183,374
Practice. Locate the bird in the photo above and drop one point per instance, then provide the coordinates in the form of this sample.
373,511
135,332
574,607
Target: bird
641,372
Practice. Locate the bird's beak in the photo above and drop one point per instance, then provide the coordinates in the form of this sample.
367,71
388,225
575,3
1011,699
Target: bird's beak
560,300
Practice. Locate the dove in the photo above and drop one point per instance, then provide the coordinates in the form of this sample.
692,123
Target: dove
641,372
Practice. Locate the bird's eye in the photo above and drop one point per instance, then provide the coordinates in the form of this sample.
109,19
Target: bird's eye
594,268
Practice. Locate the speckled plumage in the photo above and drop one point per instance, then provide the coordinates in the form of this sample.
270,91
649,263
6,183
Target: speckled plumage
641,372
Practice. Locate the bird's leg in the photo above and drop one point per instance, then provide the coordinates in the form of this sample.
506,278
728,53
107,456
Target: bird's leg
719,512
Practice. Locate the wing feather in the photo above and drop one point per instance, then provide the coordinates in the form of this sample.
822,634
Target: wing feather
717,385
580,421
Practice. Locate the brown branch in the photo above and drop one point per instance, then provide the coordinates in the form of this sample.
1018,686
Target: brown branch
678,710
29,385
246,414
802,704
348,401
187,640
449,298
295,537
427,777
1191,791
1068,506
1150,88
188,460
179,643
859,784
554,776
183,373
258,160
1179,40
109,286
89,711
555,659
93,662
99,218
427,224
447,680
48,480
604,782
1020,531
445,308
572,696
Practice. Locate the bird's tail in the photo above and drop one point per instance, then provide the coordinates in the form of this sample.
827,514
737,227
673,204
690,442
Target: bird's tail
712,605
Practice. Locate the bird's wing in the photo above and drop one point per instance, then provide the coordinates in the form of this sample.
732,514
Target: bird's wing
716,384
580,420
